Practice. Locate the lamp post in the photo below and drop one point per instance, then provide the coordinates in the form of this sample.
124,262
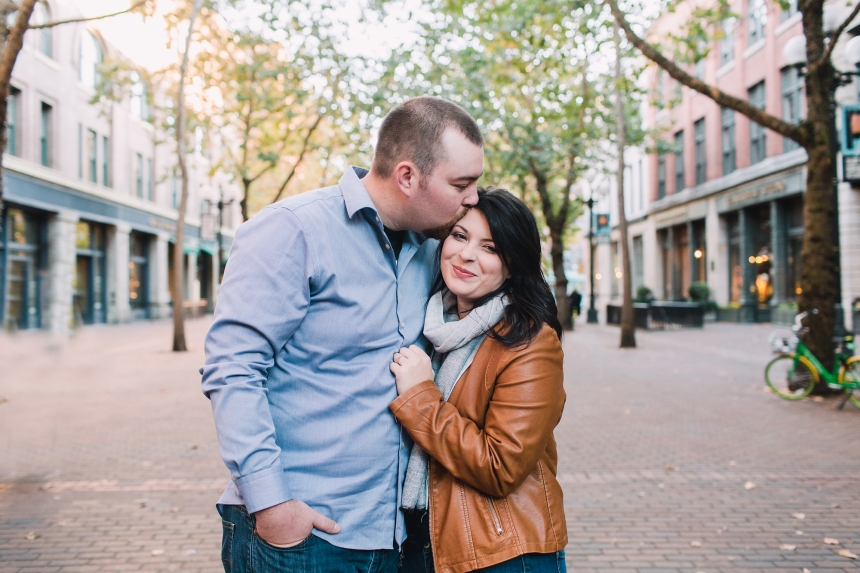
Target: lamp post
591,176
592,312
794,53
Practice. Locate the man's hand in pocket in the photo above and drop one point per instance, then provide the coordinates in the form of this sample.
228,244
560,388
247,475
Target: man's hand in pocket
289,523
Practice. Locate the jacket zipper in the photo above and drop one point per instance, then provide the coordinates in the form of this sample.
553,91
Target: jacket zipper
496,521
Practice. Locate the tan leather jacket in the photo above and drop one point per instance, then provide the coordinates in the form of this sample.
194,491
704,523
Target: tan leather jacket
493,488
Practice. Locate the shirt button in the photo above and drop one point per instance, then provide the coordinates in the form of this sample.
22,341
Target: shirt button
402,325
387,246
402,445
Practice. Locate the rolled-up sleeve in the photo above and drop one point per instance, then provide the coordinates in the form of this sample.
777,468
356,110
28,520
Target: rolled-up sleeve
263,298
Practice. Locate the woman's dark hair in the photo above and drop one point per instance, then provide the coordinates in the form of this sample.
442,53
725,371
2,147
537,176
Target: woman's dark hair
516,239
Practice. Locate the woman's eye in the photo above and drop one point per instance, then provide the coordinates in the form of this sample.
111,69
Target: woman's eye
460,236
491,248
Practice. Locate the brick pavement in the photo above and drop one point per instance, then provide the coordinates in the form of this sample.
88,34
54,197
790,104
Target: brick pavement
108,456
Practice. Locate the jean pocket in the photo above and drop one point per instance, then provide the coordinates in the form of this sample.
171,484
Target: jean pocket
267,557
227,545
299,546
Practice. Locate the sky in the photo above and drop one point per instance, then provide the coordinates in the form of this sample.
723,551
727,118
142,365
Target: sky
145,42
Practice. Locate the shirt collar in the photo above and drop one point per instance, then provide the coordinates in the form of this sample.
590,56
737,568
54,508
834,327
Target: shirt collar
355,195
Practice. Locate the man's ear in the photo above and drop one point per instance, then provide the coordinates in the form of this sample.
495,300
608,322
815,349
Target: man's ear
407,177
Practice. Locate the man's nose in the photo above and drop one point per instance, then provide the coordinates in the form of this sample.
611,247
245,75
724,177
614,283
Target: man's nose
471,198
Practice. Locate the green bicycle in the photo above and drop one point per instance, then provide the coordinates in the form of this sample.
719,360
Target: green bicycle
795,370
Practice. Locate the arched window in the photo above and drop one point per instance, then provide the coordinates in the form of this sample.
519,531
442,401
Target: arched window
42,15
139,99
90,57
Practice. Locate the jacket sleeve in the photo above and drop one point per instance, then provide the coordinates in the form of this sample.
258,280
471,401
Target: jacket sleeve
525,407
263,299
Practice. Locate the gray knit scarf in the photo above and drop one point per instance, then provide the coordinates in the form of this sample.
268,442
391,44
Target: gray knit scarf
455,343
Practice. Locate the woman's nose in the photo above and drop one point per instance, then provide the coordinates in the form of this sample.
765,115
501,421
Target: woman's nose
468,253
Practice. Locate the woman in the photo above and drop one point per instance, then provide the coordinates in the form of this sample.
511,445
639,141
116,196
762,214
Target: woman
480,491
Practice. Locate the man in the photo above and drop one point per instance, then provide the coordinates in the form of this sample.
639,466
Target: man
321,290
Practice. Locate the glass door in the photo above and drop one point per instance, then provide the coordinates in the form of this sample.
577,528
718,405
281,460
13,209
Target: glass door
25,241
89,296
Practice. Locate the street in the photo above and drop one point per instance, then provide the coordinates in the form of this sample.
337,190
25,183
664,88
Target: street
673,457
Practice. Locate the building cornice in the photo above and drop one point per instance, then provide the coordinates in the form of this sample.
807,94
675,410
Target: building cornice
763,169
53,176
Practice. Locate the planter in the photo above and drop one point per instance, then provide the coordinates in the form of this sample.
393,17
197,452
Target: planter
661,315
729,314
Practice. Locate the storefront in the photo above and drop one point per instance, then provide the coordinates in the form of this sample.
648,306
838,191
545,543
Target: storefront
90,292
764,233
23,263
73,257
138,275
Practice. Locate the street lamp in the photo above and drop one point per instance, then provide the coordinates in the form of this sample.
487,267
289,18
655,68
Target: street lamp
590,176
794,53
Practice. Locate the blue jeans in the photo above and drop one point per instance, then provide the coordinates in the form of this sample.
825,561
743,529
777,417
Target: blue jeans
418,553
242,551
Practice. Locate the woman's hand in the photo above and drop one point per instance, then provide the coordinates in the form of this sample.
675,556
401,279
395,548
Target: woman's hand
411,366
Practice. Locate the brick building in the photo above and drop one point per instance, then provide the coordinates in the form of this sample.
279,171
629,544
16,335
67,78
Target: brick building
726,198
91,194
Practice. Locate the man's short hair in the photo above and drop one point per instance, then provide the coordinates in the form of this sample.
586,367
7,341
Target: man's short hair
413,131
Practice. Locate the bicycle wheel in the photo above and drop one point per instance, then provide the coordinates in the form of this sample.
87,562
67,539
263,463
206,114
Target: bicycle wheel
850,374
791,379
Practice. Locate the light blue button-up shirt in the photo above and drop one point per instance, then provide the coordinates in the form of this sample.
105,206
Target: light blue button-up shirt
312,308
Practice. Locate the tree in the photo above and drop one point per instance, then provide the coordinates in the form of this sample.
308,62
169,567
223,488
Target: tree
522,69
628,323
262,102
815,134
12,40
177,286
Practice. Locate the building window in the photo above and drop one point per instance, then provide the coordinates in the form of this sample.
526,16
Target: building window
615,280
792,92
727,121
701,162
23,262
699,69
175,191
92,165
679,161
105,161
138,266
45,41
89,301
91,55
139,99
758,150
660,87
12,121
791,11
638,263
149,179
661,176
757,18
727,43
138,174
45,135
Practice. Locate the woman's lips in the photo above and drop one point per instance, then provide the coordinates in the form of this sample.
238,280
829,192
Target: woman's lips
462,273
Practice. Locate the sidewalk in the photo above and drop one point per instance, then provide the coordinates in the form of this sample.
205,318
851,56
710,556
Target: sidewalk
108,457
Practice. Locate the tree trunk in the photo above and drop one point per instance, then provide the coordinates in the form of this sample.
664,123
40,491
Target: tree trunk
556,249
177,288
818,258
11,47
628,324
243,202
